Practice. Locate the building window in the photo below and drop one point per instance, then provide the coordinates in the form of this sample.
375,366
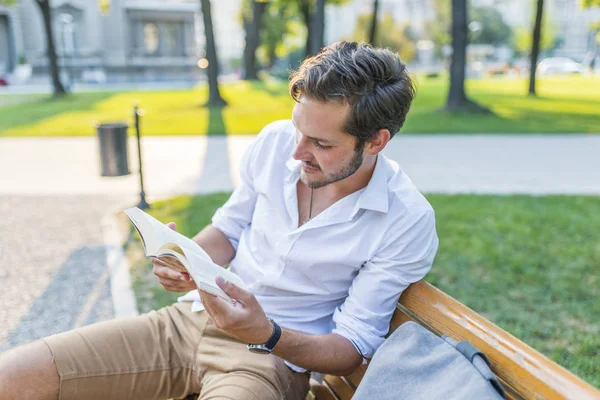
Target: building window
151,39
160,38
172,46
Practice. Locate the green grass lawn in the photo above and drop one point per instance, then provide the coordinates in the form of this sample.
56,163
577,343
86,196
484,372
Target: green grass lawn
564,105
529,264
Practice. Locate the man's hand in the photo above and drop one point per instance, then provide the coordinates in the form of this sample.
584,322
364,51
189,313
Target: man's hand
245,319
171,279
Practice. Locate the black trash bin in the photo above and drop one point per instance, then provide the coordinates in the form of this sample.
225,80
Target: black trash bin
113,149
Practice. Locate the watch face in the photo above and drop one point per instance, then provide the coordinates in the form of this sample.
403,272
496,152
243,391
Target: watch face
259,349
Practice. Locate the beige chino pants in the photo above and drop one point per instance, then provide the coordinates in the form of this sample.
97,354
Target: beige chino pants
166,354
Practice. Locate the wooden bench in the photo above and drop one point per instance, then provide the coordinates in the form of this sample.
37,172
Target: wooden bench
524,372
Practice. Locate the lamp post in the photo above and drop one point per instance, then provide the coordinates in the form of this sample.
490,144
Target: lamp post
142,205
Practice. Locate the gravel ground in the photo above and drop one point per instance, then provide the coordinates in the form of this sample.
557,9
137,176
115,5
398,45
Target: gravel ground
53,274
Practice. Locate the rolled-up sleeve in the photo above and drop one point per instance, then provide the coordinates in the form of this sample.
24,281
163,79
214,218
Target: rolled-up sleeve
405,256
236,214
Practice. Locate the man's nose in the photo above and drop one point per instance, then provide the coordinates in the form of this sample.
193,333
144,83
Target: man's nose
301,151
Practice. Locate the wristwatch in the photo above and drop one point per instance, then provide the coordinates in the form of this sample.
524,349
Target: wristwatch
268,347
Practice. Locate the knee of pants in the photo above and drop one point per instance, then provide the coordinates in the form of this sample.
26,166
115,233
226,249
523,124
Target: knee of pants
238,386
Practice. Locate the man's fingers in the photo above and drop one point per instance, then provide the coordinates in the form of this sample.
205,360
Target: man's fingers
172,225
174,286
234,291
206,299
186,276
167,272
218,309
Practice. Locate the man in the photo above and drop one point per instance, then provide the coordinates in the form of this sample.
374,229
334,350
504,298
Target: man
323,229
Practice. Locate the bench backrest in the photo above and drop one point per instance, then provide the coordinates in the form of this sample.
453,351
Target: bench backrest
524,372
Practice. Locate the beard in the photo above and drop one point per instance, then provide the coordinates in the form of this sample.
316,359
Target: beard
349,169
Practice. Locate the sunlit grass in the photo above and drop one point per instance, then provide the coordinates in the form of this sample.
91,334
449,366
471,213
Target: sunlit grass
564,105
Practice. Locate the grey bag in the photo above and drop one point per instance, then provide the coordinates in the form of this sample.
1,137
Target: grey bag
413,363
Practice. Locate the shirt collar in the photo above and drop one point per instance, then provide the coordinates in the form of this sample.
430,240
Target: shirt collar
375,194
294,166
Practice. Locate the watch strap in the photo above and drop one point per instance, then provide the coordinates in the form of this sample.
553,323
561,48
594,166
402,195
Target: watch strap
270,344
267,347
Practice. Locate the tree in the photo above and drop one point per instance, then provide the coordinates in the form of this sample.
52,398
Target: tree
523,38
315,24
457,99
252,13
493,28
590,3
438,29
214,95
46,10
594,26
318,27
373,28
313,14
390,35
535,47
280,35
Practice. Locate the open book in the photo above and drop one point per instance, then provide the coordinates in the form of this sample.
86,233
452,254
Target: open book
180,253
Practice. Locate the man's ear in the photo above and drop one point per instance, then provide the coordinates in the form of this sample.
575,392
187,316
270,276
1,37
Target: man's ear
378,143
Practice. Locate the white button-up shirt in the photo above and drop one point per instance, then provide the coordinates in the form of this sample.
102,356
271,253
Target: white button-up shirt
344,270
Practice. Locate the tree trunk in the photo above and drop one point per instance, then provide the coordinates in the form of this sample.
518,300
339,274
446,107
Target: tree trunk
535,46
214,96
373,28
457,99
252,27
271,56
59,89
305,9
318,26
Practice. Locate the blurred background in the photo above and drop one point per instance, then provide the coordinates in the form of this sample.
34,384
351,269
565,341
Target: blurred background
105,104
124,41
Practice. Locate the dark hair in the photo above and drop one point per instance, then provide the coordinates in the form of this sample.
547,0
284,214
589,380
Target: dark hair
374,82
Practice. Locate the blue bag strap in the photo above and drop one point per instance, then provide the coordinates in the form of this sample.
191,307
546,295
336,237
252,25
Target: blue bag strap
479,361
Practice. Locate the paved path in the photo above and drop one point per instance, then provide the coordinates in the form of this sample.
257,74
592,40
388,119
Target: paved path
437,163
53,273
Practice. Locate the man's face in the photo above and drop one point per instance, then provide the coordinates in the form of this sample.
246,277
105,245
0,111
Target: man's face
327,153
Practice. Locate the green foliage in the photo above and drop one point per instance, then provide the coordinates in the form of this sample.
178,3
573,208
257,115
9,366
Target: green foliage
8,2
595,25
283,31
389,35
589,3
493,28
523,36
438,29
529,264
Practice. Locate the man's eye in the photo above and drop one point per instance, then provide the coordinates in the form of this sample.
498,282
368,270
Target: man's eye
320,146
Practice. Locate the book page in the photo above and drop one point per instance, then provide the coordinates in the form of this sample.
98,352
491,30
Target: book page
184,242
205,272
145,229
156,235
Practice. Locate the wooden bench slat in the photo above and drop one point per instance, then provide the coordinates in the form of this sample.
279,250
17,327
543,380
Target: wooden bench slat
320,392
339,387
526,373
398,319
357,376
